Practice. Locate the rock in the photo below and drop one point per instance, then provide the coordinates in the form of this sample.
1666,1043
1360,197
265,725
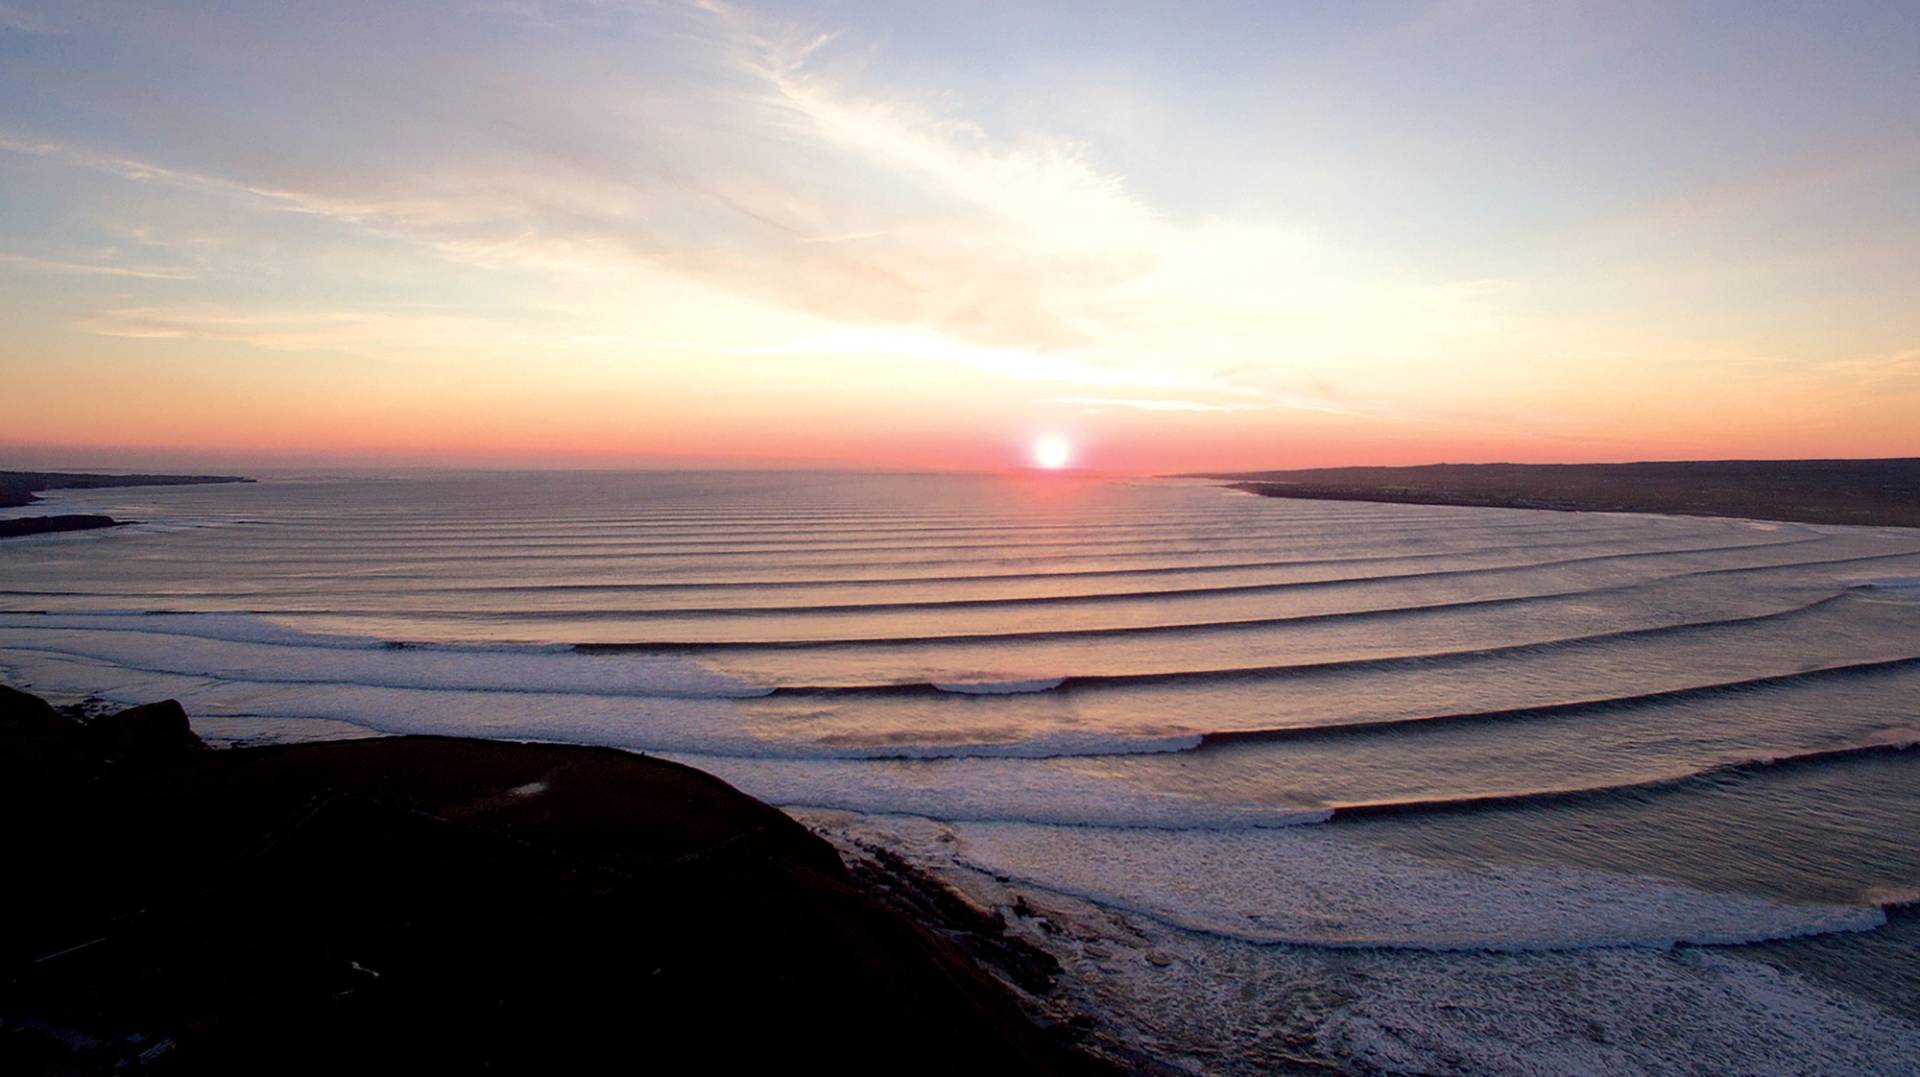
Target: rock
24,716
638,914
39,525
149,730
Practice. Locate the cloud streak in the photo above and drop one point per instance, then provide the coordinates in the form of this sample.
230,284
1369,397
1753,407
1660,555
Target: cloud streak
534,184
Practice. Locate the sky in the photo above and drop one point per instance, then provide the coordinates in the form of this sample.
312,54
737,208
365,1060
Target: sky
1170,236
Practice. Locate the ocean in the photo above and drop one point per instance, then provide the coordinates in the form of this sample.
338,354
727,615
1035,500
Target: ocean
1396,787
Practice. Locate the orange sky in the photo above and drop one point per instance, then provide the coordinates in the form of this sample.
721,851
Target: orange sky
713,234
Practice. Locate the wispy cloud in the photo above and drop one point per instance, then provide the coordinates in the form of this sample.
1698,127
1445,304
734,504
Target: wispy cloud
1148,403
106,269
711,183
298,329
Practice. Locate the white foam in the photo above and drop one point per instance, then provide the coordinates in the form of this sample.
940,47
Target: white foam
1621,1011
252,729
1316,886
1019,744
439,695
1891,588
1001,688
240,628
983,788
241,648
1209,1003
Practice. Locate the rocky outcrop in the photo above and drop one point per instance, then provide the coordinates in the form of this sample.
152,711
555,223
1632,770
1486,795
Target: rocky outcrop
40,525
153,730
431,904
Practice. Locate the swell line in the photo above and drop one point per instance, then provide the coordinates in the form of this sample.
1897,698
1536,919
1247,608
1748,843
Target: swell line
664,532
1704,691
1803,564
1023,635
642,550
1237,673
666,646
1549,797
680,613
877,581
745,691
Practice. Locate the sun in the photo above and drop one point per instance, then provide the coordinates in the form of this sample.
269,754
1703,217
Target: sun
1052,452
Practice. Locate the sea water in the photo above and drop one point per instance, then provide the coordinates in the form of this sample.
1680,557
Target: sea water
1417,750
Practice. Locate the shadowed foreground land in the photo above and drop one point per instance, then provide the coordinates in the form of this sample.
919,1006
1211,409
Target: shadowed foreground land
1871,492
429,904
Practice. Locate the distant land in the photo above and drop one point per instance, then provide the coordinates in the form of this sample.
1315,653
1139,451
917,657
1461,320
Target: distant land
19,488
1867,492
40,525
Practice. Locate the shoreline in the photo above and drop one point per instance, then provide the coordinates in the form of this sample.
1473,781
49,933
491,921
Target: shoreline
22,488
1094,988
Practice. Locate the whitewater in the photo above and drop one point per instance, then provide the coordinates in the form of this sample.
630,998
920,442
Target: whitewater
1279,780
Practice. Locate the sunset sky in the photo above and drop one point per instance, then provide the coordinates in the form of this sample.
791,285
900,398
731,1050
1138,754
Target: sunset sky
1177,236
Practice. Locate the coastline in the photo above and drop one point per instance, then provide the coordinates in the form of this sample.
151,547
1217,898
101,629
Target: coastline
22,488
18,488
355,834
1138,978
466,904
1873,493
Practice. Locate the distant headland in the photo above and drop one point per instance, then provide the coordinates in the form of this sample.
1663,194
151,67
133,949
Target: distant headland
1866,492
19,488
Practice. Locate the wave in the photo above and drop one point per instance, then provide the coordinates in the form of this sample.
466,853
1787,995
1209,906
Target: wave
1804,564
234,627
998,688
486,666
1021,635
1893,589
1238,673
1551,797
702,538
648,586
252,628
628,552
1607,703
658,723
1031,601
1312,886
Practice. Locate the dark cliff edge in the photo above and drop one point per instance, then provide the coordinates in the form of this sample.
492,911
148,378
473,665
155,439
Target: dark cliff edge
1860,492
432,904
18,488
